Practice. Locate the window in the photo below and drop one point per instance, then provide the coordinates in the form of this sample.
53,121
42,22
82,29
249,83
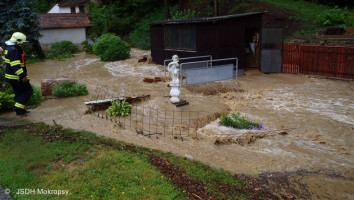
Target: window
72,9
82,8
180,37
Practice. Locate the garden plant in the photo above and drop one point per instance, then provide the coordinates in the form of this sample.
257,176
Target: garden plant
119,108
69,89
235,120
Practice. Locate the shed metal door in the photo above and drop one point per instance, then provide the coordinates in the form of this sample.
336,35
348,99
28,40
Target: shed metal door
271,46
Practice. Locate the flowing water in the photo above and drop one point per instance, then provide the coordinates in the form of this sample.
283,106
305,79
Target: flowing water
308,122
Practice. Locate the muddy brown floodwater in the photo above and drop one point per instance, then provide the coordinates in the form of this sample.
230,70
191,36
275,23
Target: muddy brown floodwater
308,121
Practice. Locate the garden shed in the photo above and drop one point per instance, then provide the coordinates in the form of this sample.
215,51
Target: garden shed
221,37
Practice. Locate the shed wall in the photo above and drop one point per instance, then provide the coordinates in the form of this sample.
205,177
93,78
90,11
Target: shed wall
221,39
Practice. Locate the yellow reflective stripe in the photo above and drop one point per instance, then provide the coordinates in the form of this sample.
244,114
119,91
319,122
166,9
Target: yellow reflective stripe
16,62
5,52
18,105
18,72
9,76
22,64
7,61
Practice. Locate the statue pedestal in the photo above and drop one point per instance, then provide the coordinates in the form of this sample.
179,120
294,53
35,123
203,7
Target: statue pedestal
175,92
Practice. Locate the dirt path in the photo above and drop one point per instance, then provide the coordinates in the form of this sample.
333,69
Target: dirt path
309,122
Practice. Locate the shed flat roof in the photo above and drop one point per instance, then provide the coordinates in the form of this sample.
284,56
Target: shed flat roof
64,20
206,19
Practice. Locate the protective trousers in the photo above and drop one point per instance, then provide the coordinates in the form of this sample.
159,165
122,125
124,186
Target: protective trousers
23,92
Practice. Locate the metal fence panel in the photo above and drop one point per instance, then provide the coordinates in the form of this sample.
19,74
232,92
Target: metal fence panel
183,60
334,61
204,75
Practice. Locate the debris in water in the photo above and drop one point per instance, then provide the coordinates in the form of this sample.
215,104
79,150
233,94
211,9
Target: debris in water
149,80
283,133
144,59
105,103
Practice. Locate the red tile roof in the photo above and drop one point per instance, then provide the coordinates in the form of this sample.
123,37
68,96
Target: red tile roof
64,20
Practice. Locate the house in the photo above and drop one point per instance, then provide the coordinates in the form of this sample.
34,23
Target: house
221,37
65,21
69,6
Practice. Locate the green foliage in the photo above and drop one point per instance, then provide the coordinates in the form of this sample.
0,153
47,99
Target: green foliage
333,17
43,6
111,48
236,121
100,20
3,85
140,36
119,108
184,14
314,16
240,7
118,17
62,49
17,15
35,99
87,46
6,101
68,89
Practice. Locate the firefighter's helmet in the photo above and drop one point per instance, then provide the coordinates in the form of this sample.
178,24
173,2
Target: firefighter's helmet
18,38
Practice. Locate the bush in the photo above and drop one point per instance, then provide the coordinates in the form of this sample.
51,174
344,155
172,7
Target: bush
62,49
140,36
87,46
35,99
111,48
6,101
3,85
236,121
333,17
185,14
68,89
119,108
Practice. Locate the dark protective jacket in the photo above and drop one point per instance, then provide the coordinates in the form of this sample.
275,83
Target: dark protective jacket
15,64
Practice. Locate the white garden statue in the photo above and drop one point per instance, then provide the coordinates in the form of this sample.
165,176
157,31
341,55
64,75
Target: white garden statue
173,69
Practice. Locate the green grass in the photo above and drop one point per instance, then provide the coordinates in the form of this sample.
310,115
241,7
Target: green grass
209,175
93,167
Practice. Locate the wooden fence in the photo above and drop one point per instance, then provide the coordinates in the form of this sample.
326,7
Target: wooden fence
334,61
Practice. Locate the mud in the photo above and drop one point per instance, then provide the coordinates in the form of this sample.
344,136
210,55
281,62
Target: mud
308,122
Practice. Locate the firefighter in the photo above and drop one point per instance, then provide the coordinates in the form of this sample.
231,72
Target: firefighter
16,72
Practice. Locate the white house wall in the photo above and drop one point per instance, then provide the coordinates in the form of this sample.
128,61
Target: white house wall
57,9
50,36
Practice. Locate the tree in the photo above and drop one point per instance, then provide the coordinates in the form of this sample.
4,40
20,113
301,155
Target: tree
216,8
180,3
17,16
167,10
43,6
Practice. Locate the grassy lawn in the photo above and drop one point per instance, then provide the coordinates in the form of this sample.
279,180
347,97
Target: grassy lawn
92,167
